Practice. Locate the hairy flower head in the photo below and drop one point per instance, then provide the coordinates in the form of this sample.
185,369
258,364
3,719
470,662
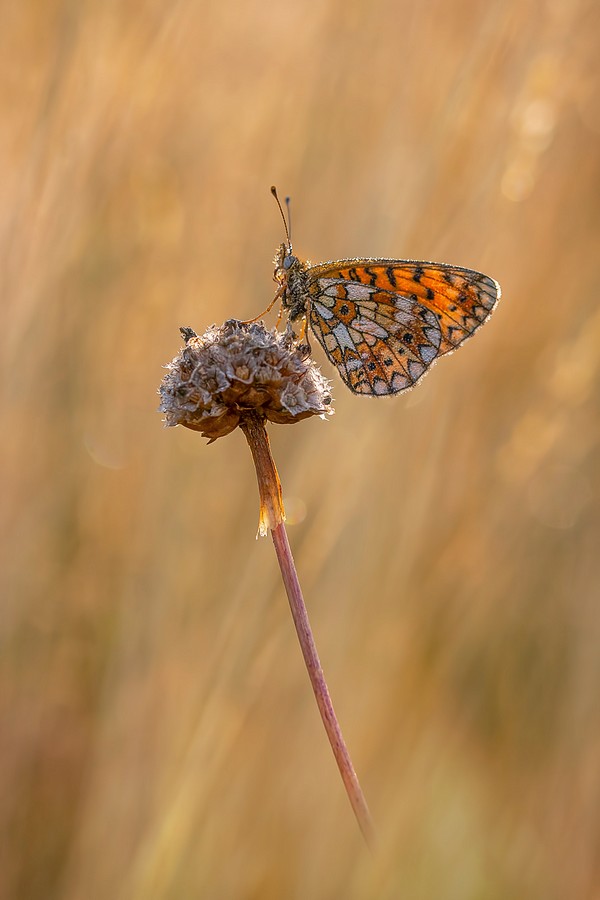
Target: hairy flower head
236,369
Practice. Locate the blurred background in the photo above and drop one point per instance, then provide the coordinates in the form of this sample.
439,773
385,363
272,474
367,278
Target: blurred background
159,737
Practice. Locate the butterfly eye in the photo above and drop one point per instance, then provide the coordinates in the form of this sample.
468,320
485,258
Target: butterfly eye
288,261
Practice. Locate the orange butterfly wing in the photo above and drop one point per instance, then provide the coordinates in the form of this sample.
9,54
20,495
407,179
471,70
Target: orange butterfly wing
384,322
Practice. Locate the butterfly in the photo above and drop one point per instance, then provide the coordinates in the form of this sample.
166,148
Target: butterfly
383,322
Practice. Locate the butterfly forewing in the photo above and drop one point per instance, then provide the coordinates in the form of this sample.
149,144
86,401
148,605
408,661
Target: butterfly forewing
384,322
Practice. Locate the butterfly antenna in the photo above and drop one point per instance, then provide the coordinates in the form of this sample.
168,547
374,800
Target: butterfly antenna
288,207
288,228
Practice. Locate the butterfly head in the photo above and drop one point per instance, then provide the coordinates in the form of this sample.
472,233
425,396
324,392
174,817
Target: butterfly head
284,261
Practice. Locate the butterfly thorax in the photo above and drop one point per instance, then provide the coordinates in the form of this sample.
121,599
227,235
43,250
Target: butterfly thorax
292,274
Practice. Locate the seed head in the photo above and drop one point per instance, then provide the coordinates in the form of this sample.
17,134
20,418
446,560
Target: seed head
237,369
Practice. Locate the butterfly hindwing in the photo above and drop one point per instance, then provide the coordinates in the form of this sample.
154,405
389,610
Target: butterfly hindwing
384,322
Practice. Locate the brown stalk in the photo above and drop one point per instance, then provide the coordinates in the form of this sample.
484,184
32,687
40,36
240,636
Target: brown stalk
272,518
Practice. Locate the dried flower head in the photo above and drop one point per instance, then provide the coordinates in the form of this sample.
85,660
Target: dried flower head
237,369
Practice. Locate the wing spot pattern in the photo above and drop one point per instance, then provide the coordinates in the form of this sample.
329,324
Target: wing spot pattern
383,340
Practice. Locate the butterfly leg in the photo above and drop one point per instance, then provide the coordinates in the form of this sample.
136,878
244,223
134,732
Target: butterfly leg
303,337
277,297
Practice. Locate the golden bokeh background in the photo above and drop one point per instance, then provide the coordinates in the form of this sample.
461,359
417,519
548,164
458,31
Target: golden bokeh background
159,738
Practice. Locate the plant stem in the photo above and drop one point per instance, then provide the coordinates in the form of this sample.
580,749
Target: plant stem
272,517
319,685
269,487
